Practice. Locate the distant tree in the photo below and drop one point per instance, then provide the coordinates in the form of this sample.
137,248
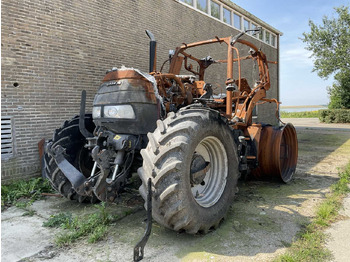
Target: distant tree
330,47
340,91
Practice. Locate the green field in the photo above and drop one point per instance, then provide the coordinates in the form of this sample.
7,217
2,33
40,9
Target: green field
304,114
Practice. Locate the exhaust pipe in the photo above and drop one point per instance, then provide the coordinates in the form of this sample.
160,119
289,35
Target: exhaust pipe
82,127
152,51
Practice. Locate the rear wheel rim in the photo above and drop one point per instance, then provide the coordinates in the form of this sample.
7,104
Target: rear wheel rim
208,193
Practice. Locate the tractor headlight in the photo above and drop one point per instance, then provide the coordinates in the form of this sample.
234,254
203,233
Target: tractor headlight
119,111
96,112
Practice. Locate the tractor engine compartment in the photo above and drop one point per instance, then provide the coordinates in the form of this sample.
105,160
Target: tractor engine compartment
126,102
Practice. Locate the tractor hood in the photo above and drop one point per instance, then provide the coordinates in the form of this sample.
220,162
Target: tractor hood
127,102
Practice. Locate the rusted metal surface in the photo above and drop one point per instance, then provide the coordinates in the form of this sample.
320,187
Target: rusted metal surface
275,147
134,79
41,145
278,152
121,74
244,98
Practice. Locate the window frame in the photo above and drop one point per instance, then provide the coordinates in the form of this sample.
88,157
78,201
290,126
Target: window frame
206,3
267,37
240,17
223,15
219,11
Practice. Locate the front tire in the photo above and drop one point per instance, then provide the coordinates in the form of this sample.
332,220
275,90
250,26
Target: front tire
70,138
192,160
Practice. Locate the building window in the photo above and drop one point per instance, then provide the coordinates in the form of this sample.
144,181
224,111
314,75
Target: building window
227,16
215,9
254,26
189,2
246,25
261,36
273,40
7,138
202,5
267,37
237,21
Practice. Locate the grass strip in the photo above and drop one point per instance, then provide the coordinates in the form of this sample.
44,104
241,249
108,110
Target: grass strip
93,226
23,193
304,114
310,245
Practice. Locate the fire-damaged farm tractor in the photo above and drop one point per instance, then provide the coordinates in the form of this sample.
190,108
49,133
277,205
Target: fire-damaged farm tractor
192,145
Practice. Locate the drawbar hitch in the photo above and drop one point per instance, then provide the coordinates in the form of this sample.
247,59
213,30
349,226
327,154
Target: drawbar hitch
138,249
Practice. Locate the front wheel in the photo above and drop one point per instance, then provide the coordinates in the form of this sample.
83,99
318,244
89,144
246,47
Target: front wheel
69,137
192,160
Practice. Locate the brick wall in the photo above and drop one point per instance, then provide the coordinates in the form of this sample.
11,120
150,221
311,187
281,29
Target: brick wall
51,50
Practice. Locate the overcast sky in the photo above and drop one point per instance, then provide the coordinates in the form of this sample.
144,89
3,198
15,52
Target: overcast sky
299,85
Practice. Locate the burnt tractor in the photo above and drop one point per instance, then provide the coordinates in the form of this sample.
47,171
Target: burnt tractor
190,146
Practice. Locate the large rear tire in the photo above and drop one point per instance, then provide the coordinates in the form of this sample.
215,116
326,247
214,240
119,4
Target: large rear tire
70,138
184,143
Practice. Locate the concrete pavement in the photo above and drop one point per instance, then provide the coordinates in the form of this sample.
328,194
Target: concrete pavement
338,235
314,123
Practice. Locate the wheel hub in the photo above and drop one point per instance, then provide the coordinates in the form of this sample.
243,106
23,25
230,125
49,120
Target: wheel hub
208,171
199,169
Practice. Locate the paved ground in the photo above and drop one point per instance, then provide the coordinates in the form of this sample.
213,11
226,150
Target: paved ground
314,123
22,236
262,223
339,235
339,232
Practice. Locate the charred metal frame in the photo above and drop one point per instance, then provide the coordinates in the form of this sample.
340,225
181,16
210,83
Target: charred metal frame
244,98
258,153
